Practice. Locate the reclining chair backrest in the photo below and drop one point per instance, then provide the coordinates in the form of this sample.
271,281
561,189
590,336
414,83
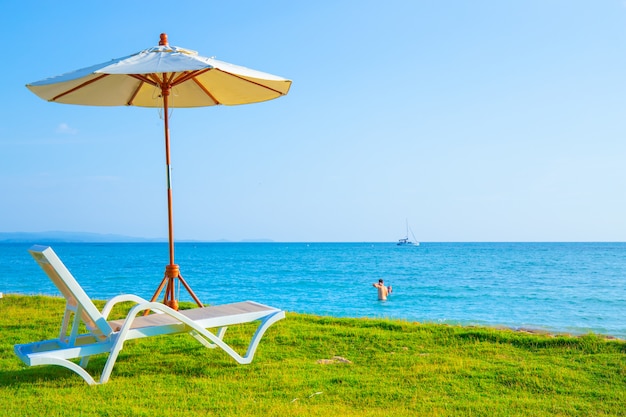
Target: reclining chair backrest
76,297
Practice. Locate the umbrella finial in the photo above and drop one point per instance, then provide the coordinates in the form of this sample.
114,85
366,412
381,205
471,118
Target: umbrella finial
163,40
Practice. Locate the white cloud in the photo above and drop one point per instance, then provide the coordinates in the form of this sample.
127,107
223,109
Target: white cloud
66,129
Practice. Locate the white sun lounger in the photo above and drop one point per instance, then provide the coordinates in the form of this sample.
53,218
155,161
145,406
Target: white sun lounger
102,336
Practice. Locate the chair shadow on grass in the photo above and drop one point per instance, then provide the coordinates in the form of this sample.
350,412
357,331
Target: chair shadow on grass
130,364
30,376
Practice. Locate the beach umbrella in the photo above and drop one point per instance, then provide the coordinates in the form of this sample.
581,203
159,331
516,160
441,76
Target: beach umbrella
163,76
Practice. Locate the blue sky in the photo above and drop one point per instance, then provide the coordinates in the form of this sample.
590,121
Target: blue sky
481,120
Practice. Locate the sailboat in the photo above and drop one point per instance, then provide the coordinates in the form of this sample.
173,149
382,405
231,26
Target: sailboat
405,240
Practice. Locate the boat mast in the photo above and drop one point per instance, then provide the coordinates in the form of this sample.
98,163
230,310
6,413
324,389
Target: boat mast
407,229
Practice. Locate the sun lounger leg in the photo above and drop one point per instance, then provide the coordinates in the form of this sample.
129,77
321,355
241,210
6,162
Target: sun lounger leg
221,331
108,367
202,340
260,331
220,335
244,360
72,367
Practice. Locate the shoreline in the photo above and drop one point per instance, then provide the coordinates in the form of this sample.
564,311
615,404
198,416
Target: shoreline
522,329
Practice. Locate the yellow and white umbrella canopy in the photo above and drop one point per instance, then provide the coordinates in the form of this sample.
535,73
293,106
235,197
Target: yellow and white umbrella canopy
163,76
196,81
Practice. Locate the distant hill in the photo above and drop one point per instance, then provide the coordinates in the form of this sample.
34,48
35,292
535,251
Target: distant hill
54,236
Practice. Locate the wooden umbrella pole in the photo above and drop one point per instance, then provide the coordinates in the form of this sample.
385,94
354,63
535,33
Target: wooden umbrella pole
172,271
165,90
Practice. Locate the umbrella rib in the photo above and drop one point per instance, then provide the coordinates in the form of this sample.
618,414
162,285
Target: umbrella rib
132,97
152,79
203,88
144,79
250,81
186,76
79,87
169,80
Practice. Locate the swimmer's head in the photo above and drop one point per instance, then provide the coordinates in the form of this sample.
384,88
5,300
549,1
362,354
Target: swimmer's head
380,281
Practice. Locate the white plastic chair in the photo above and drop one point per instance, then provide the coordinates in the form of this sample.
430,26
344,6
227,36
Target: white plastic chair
104,336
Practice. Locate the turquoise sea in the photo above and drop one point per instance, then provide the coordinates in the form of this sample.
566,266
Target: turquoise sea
558,287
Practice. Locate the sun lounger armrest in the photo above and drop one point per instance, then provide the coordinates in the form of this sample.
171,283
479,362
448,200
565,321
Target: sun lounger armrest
120,299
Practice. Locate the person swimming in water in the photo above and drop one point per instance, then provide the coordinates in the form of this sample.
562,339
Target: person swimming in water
383,291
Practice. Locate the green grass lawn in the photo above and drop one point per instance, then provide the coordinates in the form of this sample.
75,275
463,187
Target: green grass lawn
393,368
